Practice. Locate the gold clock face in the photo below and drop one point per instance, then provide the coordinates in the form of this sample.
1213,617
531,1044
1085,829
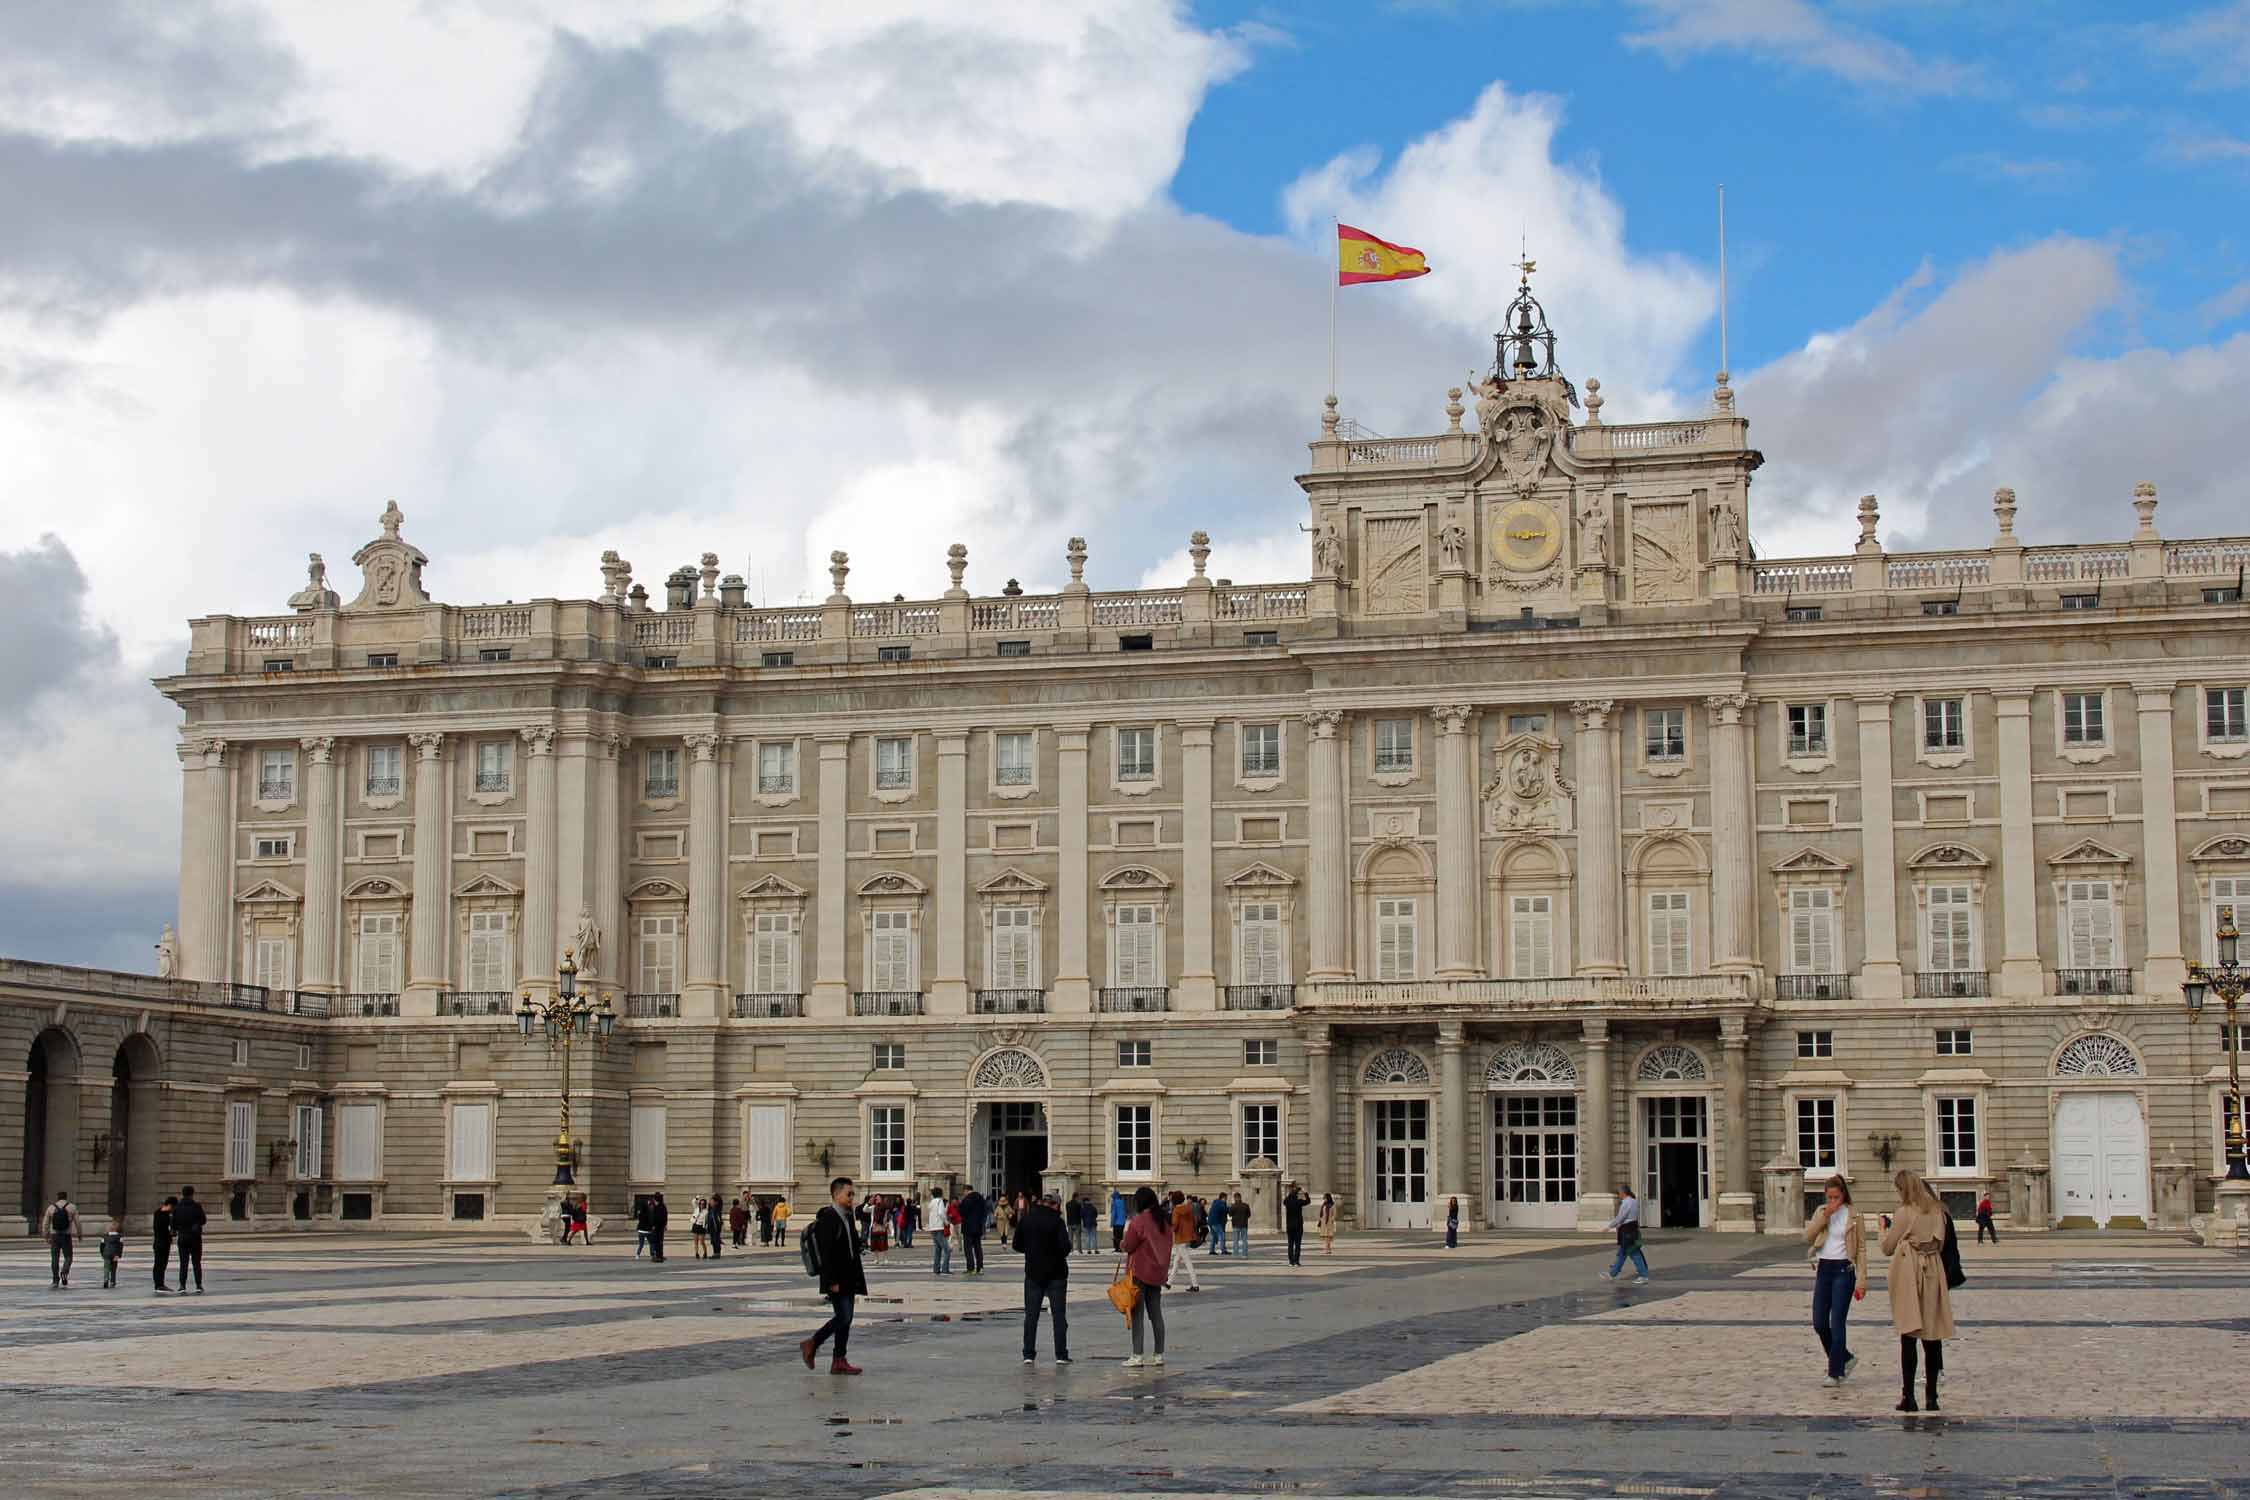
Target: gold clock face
1526,536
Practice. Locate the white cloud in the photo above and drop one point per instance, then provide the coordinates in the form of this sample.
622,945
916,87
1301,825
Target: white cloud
1268,557
2214,43
1797,33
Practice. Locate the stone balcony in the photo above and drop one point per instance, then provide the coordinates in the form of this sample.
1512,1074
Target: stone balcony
1674,995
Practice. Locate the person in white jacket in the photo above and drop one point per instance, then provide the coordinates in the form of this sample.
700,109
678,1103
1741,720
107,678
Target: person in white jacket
940,1230
1627,1222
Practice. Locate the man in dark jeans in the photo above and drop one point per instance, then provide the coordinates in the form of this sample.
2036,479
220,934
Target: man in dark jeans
188,1219
657,1216
1293,1220
975,1210
843,1279
1044,1244
160,1240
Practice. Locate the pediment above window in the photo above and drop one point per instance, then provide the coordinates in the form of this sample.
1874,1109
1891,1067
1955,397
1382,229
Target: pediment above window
1135,878
1011,883
270,893
892,883
1947,856
772,890
2089,852
1809,861
2225,847
376,888
487,886
1260,874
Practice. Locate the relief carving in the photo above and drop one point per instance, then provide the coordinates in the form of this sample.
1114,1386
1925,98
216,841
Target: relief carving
1663,555
1397,582
1527,791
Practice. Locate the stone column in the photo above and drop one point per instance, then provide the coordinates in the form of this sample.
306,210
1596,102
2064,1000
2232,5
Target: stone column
1881,976
1601,935
206,863
1329,909
949,993
1199,978
702,995
1320,1113
1738,1197
1734,932
1597,1168
831,991
2021,974
1073,983
324,867
1457,842
2164,965
609,865
1453,1124
574,835
432,908
541,951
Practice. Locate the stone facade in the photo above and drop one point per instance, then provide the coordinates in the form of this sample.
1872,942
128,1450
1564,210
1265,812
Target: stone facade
1544,838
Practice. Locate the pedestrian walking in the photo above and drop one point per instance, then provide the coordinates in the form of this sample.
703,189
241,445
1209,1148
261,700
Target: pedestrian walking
1452,1223
659,1216
1045,1246
1183,1237
112,1251
1984,1220
840,1275
1147,1243
909,1220
765,1221
1921,1302
1116,1219
698,1225
941,1233
1627,1222
974,1210
188,1219
160,1240
60,1222
714,1228
781,1221
738,1223
1838,1245
879,1227
1293,1221
1327,1221
1239,1213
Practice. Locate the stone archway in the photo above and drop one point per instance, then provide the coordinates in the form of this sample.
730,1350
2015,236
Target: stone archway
50,1120
134,1128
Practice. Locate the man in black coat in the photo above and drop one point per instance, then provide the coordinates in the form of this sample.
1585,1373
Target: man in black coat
188,1219
843,1279
1293,1220
1044,1244
657,1216
976,1211
160,1240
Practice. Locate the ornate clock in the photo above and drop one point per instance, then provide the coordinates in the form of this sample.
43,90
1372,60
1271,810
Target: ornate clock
1526,536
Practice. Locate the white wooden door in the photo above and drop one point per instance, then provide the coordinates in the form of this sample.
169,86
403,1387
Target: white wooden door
1535,1161
1400,1167
2101,1158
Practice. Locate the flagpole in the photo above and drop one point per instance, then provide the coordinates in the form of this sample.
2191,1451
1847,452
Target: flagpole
1722,279
1335,279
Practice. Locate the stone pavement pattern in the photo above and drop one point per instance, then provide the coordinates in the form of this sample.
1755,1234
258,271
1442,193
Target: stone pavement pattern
449,1366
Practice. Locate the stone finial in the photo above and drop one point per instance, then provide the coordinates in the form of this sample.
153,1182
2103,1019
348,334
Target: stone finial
1329,419
1593,402
616,574
2004,511
2144,505
1722,395
956,563
637,598
839,568
393,518
710,573
1075,555
1453,409
1870,516
1199,550
1012,589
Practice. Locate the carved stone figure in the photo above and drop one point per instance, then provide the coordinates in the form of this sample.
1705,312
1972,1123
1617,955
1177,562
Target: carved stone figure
1726,531
1527,792
1593,537
167,954
1327,552
1528,776
1453,545
587,941
316,594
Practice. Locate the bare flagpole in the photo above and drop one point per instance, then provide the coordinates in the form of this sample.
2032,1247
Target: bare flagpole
1722,283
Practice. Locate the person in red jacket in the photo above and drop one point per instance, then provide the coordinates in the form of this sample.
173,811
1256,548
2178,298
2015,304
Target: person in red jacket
1148,1259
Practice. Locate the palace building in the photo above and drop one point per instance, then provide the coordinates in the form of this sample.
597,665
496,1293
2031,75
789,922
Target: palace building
1545,838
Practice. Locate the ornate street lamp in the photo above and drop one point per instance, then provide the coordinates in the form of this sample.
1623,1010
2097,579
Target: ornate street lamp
2228,981
563,1019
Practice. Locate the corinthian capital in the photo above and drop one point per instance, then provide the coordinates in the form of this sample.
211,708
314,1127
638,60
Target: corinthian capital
702,746
540,737
428,743
1729,708
1593,713
1324,722
317,748
1453,718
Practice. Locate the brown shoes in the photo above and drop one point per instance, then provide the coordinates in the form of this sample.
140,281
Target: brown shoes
842,1366
806,1349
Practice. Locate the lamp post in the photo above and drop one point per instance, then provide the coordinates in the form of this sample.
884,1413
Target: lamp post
2228,981
565,1017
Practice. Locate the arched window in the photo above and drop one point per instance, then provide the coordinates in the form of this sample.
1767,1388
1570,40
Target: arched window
2097,1056
1530,1063
1672,1063
1010,1068
1395,1066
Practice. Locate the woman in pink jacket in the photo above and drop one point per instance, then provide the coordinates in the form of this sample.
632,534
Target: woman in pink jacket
1148,1259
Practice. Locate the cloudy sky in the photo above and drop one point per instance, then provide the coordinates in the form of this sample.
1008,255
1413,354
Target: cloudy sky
767,279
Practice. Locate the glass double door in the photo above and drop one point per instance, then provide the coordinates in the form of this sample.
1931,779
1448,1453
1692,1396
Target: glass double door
1399,1171
1535,1161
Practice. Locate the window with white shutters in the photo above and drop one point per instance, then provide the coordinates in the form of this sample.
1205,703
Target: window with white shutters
1952,932
377,968
2226,890
471,1156
2082,719
773,954
1812,932
661,772
1133,948
1014,959
646,1150
271,958
242,1139
495,763
777,768
1261,750
2090,924
1668,948
386,770
488,966
1531,937
769,1142
660,954
1944,724
359,1156
306,1132
890,957
277,776
1260,957
2223,714
1397,937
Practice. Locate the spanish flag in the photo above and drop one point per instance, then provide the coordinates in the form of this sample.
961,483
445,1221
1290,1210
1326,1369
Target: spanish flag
1362,257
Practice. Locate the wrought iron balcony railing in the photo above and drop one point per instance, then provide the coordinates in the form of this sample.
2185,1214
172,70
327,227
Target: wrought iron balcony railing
652,1006
768,1004
475,1003
361,1006
1010,1002
1259,997
1943,984
886,1002
2093,981
1137,998
1812,986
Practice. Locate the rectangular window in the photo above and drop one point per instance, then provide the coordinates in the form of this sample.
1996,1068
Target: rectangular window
1801,614
1955,1041
471,1157
2230,898
486,967
1957,1134
1664,733
773,954
2223,714
886,1140
1133,948
2089,924
1011,758
1133,1054
277,775
1136,1156
894,764
1394,745
645,1144
1261,750
769,1142
1941,607
1013,648
1136,755
495,653
1259,954
386,770
1527,723
1812,932
1261,638
1808,729
270,956
661,773
1816,1134
1531,937
890,1057
1261,1052
376,972
1261,1132
1668,946
1943,727
2081,601
660,954
660,663
1136,643
890,959
894,653
2226,594
777,769
382,658
2082,719
242,1139
493,766
777,658
1952,931
1816,1044
1397,938
274,848
304,1129
1015,948
242,1052
358,1142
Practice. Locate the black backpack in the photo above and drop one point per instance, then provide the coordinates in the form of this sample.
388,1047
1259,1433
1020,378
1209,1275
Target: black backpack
808,1248
59,1220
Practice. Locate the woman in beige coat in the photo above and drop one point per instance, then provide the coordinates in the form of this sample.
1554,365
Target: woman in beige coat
1921,1309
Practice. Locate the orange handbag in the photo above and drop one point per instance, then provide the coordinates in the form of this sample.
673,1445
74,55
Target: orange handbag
1124,1292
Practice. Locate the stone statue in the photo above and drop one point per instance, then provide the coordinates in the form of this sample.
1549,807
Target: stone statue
1593,537
167,954
1453,544
316,594
587,941
1529,776
393,518
1726,531
1327,551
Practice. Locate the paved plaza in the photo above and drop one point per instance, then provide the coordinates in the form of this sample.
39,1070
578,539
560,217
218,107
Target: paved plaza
408,1366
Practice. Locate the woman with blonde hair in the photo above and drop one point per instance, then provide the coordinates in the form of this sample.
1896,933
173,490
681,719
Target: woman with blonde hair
1921,1307
1838,1249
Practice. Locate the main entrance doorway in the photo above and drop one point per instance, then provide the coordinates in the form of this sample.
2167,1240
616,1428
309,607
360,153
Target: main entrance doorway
1676,1184
1535,1161
2101,1160
1400,1170
1008,1146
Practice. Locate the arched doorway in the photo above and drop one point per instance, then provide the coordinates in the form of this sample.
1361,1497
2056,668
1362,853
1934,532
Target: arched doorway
133,1128
1008,1121
50,1120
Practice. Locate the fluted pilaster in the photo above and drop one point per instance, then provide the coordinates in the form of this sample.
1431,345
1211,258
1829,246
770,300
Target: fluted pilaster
1734,936
540,952
324,867
1601,938
1457,842
1330,875
431,906
707,924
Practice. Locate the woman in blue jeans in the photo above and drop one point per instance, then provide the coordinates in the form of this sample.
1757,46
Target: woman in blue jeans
1627,1222
1838,1250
